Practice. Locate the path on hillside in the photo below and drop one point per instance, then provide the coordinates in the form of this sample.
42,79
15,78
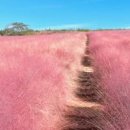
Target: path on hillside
90,98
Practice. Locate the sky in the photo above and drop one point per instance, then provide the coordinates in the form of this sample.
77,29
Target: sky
66,14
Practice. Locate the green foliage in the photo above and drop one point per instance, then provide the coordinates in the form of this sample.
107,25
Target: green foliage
82,29
66,30
1,32
17,28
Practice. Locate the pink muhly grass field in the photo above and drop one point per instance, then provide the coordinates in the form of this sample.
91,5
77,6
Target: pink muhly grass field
36,75
33,71
111,53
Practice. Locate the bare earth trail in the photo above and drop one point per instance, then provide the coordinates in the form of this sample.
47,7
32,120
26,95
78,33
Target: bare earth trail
65,81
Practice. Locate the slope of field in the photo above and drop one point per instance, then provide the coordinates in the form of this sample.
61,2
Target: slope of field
65,81
33,78
103,84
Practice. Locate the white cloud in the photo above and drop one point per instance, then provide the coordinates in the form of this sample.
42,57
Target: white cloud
121,27
68,26
126,27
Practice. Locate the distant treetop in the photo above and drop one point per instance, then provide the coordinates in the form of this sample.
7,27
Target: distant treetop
17,27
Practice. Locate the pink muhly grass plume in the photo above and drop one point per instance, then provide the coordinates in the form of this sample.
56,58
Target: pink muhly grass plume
33,71
111,55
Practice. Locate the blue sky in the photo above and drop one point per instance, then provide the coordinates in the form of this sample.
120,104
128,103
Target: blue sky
43,14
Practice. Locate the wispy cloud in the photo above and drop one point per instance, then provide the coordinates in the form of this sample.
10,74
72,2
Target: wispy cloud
128,27
121,27
68,26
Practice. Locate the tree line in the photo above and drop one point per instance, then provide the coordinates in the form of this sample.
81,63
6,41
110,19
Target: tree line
17,28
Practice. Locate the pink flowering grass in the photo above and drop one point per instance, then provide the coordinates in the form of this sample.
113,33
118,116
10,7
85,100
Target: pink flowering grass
33,72
37,75
111,55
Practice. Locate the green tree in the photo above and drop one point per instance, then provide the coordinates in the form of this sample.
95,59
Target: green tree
17,28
